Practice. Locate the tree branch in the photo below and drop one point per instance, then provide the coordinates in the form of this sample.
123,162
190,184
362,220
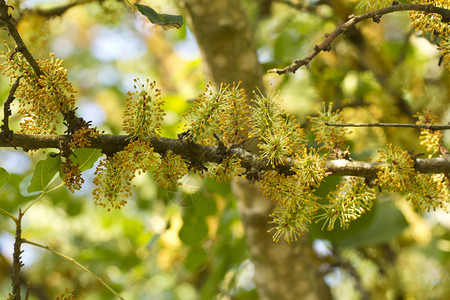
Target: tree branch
17,263
8,20
353,20
420,126
110,144
5,131
76,263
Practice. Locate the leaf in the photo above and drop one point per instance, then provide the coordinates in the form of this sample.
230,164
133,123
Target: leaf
23,187
44,173
85,157
195,259
4,177
193,231
164,20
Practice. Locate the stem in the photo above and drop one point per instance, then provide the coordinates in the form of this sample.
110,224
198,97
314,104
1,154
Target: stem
17,264
8,215
75,262
42,195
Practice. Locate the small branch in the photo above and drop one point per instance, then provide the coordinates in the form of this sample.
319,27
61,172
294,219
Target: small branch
75,262
17,263
420,126
2,211
353,20
42,195
7,110
8,21
55,11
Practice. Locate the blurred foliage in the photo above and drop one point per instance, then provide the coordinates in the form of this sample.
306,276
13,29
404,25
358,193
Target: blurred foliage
188,242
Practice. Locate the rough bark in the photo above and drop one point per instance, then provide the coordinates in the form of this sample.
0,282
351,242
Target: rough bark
225,38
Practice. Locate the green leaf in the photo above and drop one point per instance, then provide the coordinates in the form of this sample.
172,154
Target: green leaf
4,177
195,259
85,157
193,231
44,173
23,187
164,20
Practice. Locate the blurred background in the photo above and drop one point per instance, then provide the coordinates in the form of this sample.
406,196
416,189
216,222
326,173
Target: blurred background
189,243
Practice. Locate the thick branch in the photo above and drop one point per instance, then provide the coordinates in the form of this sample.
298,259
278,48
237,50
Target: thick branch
202,154
353,20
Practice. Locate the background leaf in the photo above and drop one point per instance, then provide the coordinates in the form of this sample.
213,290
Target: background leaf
4,177
164,20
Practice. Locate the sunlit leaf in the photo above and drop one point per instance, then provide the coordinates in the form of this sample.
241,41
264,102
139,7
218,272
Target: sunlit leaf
44,173
85,157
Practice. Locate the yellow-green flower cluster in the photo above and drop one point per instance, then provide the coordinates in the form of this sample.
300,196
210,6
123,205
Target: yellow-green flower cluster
42,98
331,137
143,112
72,175
432,139
224,112
290,222
309,167
82,138
295,202
347,203
114,174
280,135
445,49
396,168
370,5
229,169
426,194
429,22
170,170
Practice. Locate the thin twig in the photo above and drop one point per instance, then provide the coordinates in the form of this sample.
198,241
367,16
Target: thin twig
8,20
75,262
375,15
420,126
40,196
27,295
2,211
7,110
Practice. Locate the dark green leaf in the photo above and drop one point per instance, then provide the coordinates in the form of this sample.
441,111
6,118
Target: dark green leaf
44,172
195,259
164,20
193,231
